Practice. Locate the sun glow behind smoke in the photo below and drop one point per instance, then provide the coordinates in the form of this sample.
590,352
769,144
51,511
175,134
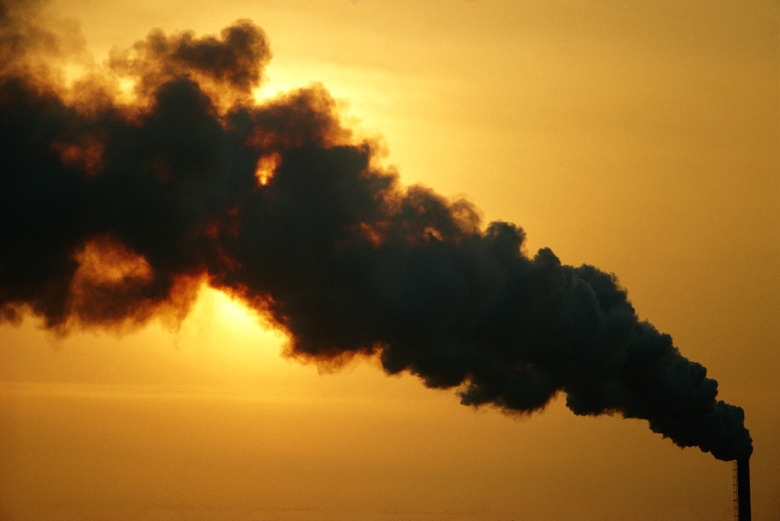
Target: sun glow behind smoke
231,343
231,311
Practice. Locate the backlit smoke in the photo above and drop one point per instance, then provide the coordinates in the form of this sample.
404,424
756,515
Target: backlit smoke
114,211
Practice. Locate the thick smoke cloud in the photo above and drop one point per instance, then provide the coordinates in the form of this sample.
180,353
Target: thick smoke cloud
113,212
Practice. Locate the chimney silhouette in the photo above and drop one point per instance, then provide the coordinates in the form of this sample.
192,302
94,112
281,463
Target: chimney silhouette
742,489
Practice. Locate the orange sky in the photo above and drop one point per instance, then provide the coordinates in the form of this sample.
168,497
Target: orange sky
639,137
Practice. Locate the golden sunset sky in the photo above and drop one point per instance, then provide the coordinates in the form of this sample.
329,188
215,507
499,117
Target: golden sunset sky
640,137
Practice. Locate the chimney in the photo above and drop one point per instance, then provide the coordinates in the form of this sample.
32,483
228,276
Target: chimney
742,489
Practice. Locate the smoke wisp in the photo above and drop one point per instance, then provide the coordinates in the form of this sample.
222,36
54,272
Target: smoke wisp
113,212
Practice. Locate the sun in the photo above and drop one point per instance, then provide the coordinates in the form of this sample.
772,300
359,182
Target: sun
231,311
229,340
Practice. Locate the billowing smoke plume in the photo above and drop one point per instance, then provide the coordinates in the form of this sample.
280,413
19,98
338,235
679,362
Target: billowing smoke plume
113,212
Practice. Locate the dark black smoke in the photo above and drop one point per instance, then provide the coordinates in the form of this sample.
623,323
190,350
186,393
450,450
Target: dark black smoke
112,213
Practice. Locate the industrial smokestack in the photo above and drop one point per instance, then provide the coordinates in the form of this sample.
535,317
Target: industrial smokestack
112,212
742,499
